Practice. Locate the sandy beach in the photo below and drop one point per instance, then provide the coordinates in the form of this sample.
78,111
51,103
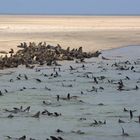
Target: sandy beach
91,32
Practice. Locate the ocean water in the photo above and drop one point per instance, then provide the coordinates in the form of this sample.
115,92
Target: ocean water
128,52
86,105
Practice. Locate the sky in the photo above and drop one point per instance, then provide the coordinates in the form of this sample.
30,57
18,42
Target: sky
79,7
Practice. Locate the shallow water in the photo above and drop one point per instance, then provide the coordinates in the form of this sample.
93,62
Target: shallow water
114,101
129,52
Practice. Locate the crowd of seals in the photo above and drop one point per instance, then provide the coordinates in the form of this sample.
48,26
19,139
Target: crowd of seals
32,53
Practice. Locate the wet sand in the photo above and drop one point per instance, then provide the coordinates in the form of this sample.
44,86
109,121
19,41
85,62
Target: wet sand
91,32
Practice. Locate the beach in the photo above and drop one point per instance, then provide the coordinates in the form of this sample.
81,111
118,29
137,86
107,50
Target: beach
77,98
90,32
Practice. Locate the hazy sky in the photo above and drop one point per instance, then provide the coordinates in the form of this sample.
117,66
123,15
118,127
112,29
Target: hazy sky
70,6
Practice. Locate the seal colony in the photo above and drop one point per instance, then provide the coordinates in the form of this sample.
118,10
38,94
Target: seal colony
96,98
42,54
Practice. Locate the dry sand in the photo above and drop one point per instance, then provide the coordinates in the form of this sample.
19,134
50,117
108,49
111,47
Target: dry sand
91,32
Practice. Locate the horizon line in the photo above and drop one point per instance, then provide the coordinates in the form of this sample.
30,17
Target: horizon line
69,14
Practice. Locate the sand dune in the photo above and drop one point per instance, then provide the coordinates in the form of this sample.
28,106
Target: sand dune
91,32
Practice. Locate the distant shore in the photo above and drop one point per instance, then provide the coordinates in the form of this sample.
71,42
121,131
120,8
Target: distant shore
90,32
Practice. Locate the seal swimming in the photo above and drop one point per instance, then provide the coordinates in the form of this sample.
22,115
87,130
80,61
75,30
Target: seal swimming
124,133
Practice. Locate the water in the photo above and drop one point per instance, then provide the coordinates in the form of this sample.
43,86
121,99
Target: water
129,52
114,101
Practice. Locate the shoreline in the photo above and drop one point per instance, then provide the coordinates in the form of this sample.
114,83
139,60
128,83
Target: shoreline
121,53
